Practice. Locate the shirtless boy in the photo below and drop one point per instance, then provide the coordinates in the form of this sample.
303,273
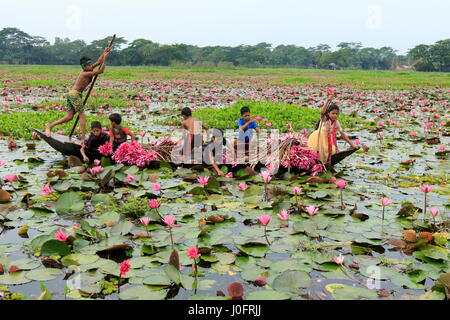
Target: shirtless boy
74,98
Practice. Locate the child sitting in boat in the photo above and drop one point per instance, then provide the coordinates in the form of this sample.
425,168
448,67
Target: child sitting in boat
117,133
192,135
323,139
74,97
97,138
216,151
246,126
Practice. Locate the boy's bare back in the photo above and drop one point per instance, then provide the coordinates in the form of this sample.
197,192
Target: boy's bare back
190,125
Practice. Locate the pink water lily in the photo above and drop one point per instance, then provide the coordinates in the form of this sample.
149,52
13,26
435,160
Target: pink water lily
339,259
413,134
96,170
265,219
2,162
341,184
193,253
61,236
229,175
156,186
441,148
129,178
124,268
312,210
266,176
297,191
385,202
203,180
145,221
11,177
243,186
425,189
380,123
434,212
46,190
169,221
142,133
357,141
283,215
153,204
97,162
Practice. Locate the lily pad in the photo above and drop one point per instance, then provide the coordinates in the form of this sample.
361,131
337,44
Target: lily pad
54,248
14,278
69,202
43,274
292,281
267,295
141,293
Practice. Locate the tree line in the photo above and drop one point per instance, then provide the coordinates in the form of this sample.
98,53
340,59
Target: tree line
18,47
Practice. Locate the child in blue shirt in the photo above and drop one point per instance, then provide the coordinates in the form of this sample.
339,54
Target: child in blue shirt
246,126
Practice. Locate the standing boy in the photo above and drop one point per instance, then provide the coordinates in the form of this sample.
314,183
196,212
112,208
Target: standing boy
74,98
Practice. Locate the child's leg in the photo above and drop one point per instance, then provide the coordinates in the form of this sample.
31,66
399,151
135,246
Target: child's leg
83,127
49,126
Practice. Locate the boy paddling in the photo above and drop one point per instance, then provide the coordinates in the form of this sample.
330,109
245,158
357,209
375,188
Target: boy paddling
74,98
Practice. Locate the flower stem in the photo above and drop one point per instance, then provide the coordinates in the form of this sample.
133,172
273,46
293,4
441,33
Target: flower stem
425,208
146,229
118,285
382,216
171,238
342,202
265,235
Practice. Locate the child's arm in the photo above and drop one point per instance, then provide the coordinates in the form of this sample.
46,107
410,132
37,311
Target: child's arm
347,139
205,126
215,166
326,104
133,137
101,58
247,124
85,158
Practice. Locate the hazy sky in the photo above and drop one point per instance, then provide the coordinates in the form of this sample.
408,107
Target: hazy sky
401,24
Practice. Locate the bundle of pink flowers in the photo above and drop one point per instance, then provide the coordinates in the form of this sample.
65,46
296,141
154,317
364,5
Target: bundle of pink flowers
106,149
304,159
133,153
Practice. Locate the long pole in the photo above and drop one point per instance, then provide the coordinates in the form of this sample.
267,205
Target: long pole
90,89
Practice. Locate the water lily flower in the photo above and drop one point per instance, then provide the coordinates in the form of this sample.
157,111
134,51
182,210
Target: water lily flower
169,221
413,134
46,190
341,184
425,189
339,259
156,186
229,175
129,178
266,176
357,141
434,212
258,118
96,170
145,221
385,202
243,186
304,132
283,215
61,236
153,204
2,162
97,162
441,148
124,268
34,134
11,177
193,253
380,123
203,180
265,219
268,124
60,132
297,191
142,133
312,210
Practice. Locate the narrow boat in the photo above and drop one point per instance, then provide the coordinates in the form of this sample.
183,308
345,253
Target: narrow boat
71,147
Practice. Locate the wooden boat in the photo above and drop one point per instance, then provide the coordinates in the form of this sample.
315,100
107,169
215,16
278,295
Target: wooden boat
71,147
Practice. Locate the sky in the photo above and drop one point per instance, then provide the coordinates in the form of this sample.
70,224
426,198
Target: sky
400,24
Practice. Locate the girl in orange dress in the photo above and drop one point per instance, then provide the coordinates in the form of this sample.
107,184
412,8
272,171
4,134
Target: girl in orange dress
323,139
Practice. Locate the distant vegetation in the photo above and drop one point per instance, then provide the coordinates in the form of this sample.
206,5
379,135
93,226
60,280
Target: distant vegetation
18,47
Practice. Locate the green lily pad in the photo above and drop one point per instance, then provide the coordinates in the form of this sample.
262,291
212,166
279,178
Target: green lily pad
69,202
55,248
79,259
344,292
291,281
258,251
140,292
25,264
14,278
267,295
43,274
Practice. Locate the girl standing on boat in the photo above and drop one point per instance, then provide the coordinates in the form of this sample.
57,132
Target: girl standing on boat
323,139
